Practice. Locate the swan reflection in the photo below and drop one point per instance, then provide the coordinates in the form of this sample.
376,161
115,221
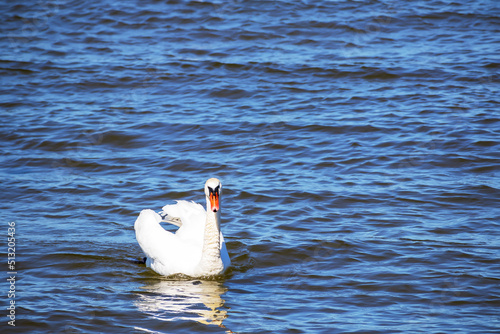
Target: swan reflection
184,300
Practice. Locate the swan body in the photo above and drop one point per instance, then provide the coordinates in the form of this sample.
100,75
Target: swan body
197,248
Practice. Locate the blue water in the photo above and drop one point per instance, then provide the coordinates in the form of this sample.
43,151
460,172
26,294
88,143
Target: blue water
357,143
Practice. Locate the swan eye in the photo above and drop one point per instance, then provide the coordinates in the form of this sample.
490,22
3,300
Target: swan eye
211,190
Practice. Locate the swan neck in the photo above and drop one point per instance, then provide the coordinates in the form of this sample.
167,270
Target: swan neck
211,261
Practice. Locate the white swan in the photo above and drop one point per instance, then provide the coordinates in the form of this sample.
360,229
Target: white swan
197,248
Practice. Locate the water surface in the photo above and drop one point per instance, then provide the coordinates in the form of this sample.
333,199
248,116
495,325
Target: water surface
357,143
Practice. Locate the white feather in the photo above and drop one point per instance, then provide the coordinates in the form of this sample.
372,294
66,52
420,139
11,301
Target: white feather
180,252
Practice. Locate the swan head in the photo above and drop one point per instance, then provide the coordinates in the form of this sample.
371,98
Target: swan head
212,193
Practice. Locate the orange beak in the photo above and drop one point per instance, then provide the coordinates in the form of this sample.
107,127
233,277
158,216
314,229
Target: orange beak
214,201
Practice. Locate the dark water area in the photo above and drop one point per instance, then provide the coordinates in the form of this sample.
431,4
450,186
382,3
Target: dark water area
357,143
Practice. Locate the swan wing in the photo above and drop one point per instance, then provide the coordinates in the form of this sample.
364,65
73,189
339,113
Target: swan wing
192,217
167,254
153,239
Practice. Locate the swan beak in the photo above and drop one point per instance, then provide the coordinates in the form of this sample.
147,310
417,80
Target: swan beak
214,200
